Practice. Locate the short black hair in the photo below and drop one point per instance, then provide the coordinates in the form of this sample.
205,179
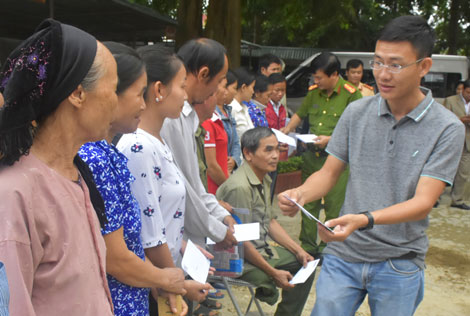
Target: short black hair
412,29
268,59
244,77
161,63
276,78
466,84
354,63
252,137
130,65
231,78
326,62
197,53
262,83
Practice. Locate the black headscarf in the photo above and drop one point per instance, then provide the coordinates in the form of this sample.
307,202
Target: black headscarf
38,75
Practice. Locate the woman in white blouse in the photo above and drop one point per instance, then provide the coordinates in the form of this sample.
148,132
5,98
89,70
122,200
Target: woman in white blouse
159,187
245,90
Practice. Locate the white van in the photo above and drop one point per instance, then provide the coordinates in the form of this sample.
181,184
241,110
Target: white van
445,73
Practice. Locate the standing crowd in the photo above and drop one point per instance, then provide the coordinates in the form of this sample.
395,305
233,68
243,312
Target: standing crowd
111,159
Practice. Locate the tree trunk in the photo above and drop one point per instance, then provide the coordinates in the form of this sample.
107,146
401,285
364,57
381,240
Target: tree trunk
224,26
189,21
453,26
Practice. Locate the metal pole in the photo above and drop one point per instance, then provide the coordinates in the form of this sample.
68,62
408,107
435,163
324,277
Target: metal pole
51,8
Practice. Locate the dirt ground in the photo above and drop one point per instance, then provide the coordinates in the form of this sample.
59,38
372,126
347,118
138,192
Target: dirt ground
447,276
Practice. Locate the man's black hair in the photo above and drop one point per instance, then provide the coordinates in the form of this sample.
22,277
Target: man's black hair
466,84
354,63
326,62
268,59
412,29
276,78
201,52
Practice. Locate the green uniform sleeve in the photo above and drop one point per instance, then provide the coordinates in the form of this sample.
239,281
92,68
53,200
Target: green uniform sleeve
302,112
355,96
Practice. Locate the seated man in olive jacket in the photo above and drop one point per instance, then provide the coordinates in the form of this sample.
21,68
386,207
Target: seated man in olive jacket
266,265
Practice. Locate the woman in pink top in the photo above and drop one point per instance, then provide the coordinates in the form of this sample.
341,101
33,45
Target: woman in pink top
60,92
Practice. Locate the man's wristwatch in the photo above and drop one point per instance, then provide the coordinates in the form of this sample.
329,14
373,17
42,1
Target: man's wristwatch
370,224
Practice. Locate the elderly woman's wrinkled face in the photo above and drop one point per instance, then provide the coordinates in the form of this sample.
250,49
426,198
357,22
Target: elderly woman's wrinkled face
99,107
131,103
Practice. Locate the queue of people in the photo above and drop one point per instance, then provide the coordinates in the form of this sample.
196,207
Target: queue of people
113,158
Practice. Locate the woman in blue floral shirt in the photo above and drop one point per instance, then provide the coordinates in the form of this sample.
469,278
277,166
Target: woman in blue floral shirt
257,105
130,275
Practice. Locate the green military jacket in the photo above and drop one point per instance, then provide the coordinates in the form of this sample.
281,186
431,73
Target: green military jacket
324,111
243,189
201,157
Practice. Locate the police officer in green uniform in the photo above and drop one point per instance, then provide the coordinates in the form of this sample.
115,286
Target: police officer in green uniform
324,104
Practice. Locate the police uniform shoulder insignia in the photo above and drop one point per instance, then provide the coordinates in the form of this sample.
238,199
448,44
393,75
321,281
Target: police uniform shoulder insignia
312,87
350,88
367,86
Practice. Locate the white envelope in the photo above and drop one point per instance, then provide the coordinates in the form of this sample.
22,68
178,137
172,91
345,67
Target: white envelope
195,263
244,232
283,138
302,275
306,138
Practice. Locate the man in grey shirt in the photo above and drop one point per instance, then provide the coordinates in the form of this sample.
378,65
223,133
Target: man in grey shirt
402,148
206,64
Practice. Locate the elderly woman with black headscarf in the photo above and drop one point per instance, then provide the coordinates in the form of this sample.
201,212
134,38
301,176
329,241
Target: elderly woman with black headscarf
59,87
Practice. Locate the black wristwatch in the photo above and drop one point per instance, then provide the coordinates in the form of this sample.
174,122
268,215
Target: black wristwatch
370,224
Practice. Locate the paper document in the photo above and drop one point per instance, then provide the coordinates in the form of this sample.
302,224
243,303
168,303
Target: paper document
302,275
306,138
283,138
308,214
195,263
244,232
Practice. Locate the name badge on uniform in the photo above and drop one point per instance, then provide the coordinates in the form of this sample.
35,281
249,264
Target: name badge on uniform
315,106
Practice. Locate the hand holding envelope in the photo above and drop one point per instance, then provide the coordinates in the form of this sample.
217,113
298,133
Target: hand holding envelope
308,214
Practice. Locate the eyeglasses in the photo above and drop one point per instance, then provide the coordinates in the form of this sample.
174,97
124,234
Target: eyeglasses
393,68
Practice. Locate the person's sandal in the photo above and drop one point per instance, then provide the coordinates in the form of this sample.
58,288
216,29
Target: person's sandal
215,294
212,304
202,310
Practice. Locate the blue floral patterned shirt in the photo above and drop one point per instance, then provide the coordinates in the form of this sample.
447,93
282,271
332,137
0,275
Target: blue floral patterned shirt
113,180
257,115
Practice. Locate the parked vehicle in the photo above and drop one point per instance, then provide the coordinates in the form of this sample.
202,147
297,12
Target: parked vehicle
445,73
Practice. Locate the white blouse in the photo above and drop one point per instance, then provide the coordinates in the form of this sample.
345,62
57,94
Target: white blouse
159,188
242,117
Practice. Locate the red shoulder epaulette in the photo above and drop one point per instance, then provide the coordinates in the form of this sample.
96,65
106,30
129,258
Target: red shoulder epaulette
312,87
350,88
367,86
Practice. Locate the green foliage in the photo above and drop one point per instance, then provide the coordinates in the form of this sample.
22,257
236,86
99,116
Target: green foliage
349,24
294,163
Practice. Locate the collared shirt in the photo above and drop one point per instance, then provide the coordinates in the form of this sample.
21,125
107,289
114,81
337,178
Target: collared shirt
386,160
50,243
113,180
324,111
230,126
244,190
204,215
159,188
242,117
216,137
467,104
199,136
